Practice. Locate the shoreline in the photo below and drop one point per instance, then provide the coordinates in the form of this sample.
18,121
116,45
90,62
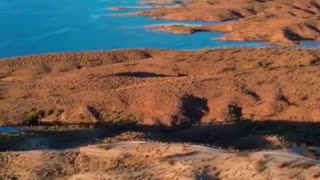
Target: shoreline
244,136
273,22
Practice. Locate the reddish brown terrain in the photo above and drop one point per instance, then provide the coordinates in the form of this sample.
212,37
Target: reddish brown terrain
282,22
168,88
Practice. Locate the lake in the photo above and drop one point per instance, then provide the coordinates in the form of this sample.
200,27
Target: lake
40,27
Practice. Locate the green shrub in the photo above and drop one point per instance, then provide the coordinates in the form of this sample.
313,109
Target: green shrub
32,117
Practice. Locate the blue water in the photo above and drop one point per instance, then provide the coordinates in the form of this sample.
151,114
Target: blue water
32,139
42,26
9,130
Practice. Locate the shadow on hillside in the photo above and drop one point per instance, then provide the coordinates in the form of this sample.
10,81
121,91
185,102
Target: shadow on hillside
243,135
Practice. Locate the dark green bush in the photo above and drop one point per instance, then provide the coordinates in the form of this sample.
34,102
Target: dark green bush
32,117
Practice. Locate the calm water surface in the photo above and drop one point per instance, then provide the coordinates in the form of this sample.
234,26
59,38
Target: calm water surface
23,138
42,26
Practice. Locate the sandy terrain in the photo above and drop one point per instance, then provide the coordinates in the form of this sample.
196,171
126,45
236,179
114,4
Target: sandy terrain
281,22
146,160
162,87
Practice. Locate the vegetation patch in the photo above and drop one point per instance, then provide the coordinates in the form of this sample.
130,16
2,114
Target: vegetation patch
32,117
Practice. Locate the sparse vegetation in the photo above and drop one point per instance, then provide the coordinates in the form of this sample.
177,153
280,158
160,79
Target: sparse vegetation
32,117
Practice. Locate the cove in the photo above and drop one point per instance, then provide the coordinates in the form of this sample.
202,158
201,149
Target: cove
40,27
